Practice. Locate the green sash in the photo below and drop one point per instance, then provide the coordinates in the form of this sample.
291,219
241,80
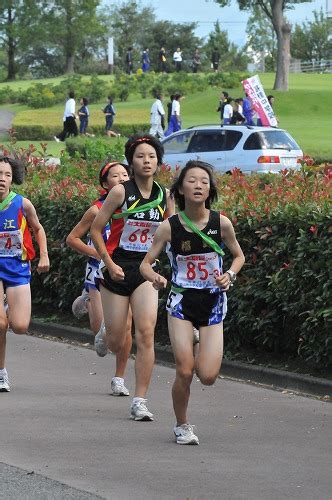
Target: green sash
209,241
7,200
142,208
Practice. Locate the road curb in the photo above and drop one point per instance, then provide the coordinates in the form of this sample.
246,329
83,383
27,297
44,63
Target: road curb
278,379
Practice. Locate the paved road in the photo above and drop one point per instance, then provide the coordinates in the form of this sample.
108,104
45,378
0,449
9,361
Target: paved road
60,423
6,118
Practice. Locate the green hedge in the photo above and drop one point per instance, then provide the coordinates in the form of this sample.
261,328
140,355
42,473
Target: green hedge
41,133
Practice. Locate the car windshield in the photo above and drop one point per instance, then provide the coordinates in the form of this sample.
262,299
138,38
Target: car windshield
270,139
178,144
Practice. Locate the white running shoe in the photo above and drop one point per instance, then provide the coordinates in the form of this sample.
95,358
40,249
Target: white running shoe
79,306
118,388
139,411
4,383
56,138
100,343
184,434
196,336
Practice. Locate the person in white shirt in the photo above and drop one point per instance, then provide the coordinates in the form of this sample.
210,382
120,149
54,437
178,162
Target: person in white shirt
175,121
177,58
228,112
69,119
157,119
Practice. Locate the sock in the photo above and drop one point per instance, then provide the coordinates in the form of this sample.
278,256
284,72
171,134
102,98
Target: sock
3,371
118,379
137,400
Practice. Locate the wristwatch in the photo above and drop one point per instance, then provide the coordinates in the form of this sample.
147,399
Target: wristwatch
232,276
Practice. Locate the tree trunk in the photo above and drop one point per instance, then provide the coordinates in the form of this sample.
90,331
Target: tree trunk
69,63
283,32
11,67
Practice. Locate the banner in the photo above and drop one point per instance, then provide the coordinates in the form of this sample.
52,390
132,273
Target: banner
110,51
254,89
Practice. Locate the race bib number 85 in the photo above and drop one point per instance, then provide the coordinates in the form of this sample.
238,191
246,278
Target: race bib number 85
198,271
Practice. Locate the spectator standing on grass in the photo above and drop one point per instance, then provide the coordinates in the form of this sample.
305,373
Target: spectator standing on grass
215,59
222,103
162,61
109,112
157,119
129,61
177,59
69,119
228,111
248,111
175,121
83,115
196,62
169,109
145,60
238,118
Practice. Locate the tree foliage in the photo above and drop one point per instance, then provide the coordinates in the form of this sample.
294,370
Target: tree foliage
310,41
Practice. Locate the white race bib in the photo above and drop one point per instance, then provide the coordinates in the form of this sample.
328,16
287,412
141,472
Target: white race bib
11,243
137,235
198,271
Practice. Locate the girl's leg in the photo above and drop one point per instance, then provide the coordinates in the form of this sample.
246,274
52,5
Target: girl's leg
3,328
115,309
210,352
95,310
123,355
181,336
144,304
19,308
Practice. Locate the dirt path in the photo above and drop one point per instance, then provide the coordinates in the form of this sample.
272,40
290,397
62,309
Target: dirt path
6,119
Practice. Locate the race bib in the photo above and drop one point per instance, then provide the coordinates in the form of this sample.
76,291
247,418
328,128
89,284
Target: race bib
11,244
91,273
173,299
137,235
198,271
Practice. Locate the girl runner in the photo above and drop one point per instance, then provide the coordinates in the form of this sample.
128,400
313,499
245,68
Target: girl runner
197,298
111,174
136,207
17,215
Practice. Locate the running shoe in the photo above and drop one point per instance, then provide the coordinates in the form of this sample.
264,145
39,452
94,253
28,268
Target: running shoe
118,388
139,411
184,434
4,383
100,343
196,336
79,306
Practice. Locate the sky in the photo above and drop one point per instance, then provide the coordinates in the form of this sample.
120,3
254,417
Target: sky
231,19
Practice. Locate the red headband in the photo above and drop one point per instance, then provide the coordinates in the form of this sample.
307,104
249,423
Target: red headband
141,139
108,166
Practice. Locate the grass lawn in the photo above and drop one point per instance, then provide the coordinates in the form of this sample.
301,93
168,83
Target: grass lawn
305,110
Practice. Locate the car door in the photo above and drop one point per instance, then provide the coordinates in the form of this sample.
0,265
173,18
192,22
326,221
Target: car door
208,145
234,155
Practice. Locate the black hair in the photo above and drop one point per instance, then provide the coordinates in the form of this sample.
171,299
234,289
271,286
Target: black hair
18,169
85,101
225,93
270,96
177,96
103,177
179,198
138,139
110,98
71,94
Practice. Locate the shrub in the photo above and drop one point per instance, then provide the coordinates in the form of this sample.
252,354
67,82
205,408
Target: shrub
280,302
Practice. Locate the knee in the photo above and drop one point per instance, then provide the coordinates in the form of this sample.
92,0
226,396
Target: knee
185,373
20,328
145,337
207,378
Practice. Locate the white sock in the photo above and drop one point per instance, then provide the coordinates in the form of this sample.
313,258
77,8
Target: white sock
3,371
118,379
137,400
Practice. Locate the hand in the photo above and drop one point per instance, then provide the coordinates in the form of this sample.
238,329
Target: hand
224,282
43,264
116,272
159,282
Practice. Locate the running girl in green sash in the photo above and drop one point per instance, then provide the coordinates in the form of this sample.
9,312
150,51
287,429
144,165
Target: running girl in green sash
197,298
136,208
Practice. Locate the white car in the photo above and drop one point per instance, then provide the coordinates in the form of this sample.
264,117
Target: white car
249,148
